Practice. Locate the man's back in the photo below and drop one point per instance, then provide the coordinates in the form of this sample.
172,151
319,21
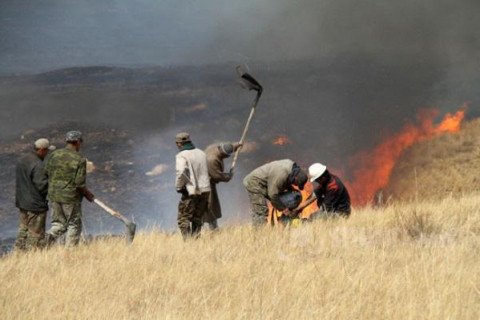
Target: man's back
334,196
66,171
193,164
31,184
275,173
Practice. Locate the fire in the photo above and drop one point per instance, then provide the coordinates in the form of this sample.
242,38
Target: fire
375,166
282,140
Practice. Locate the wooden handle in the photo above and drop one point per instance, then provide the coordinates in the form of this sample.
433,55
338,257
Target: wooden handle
114,213
245,130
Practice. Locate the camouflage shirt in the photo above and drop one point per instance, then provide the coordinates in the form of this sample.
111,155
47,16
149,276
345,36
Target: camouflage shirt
67,171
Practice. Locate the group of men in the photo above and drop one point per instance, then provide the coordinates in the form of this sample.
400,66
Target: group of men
57,180
198,173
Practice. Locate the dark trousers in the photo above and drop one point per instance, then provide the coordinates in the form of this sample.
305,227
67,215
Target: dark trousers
191,210
31,230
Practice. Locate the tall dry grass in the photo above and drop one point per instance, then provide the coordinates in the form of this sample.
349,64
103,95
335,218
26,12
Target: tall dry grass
411,261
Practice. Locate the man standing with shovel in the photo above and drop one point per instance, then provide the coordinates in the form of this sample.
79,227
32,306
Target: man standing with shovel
66,170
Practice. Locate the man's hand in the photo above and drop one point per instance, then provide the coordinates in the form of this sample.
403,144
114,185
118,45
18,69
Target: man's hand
183,191
237,145
88,195
229,175
291,213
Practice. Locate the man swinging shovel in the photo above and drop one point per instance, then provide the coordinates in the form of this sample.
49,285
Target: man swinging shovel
247,82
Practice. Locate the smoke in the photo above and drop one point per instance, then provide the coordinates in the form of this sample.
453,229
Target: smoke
42,35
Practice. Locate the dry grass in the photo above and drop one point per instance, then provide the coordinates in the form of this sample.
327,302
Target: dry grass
444,166
408,261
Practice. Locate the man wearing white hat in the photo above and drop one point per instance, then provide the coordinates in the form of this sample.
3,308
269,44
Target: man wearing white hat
332,195
30,196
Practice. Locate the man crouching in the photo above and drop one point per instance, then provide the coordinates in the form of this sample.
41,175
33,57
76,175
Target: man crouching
193,182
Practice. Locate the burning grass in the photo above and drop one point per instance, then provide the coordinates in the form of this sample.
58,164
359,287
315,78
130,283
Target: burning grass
372,169
417,260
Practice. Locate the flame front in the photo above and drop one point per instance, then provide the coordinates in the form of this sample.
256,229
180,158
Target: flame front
282,140
375,167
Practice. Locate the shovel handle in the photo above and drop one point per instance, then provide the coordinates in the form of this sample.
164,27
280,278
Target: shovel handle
114,213
247,126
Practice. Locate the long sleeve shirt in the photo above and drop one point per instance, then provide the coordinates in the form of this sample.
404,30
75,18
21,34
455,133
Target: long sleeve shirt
333,196
271,179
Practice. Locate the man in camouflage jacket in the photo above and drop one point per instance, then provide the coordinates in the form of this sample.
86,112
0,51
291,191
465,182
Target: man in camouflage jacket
67,170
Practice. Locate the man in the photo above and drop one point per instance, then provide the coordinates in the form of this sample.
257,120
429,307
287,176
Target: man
332,196
67,171
192,181
268,182
216,153
30,196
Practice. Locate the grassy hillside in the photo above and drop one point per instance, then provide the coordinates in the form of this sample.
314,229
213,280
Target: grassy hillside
418,260
445,166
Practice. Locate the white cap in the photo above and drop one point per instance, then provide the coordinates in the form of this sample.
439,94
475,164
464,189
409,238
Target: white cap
43,143
316,170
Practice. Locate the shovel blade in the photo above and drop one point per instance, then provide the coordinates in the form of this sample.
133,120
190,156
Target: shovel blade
247,81
130,232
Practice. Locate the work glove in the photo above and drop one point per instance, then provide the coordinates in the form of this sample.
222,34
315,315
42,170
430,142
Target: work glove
88,195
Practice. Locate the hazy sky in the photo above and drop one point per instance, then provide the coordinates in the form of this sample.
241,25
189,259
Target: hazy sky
39,35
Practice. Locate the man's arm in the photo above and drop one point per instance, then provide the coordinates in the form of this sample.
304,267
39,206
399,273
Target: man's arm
330,198
81,180
39,179
215,171
180,173
276,185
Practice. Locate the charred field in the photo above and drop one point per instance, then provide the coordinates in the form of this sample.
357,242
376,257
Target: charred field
329,110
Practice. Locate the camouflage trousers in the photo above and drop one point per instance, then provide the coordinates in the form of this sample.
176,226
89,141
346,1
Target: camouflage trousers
66,218
191,210
259,207
31,230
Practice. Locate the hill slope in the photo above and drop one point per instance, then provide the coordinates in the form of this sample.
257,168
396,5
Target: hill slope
445,166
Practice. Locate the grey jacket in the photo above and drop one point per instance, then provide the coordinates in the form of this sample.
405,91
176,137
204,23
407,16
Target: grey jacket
31,184
271,179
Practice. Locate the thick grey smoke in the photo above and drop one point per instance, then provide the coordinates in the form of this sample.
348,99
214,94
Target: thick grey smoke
42,35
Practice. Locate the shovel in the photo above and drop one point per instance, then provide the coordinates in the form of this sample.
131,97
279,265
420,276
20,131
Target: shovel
130,226
247,82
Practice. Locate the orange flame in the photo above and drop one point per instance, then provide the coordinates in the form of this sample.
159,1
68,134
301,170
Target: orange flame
282,140
375,167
